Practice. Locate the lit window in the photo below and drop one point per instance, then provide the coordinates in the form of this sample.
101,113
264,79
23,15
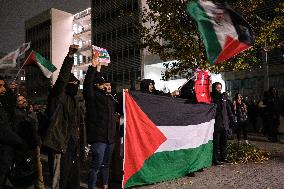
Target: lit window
80,28
80,43
80,59
75,28
81,74
75,59
81,87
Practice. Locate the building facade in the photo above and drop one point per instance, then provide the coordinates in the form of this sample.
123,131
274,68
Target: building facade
82,37
50,34
114,27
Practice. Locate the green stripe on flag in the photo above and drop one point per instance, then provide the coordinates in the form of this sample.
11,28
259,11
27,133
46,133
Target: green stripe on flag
41,60
206,28
169,165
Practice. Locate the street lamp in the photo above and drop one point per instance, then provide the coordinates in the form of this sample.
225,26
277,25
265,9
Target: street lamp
266,62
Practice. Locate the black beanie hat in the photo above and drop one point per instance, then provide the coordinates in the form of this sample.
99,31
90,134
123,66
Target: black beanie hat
99,80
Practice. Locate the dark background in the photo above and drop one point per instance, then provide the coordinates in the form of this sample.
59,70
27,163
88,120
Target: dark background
14,13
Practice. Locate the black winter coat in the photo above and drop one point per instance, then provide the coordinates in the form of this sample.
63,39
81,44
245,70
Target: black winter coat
63,112
101,109
26,127
8,135
224,114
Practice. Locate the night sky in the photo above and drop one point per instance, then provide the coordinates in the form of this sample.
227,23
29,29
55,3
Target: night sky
14,13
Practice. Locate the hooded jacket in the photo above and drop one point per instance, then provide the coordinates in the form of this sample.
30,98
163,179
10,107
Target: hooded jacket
63,111
101,109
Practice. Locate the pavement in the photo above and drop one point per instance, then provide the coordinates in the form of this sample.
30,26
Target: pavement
267,175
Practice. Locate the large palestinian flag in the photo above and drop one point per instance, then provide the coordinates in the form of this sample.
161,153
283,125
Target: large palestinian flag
165,138
224,32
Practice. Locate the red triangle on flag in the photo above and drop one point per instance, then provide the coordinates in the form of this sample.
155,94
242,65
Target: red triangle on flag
31,59
231,48
142,138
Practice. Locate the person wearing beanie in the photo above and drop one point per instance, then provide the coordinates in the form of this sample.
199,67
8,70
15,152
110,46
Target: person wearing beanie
100,123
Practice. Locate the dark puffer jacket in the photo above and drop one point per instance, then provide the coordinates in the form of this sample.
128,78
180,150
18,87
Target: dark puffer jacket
101,109
224,114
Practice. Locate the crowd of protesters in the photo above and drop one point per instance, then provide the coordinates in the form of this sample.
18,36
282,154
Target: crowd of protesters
68,130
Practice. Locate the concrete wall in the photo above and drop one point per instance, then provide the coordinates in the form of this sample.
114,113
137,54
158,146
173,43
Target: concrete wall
61,38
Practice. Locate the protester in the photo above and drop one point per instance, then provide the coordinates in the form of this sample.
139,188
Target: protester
271,114
25,123
10,99
230,131
101,123
63,133
240,111
187,92
253,113
26,126
148,86
222,120
9,139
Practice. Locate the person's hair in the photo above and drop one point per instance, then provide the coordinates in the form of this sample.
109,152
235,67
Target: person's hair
5,83
2,78
271,92
236,97
214,86
20,94
144,85
217,83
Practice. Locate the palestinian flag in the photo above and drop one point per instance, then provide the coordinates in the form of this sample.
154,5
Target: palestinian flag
165,138
46,67
224,32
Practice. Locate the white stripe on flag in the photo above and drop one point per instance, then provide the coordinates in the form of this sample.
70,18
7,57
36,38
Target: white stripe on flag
221,21
44,70
185,137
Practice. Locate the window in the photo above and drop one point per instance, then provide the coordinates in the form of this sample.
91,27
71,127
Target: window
81,75
80,59
80,43
75,60
75,28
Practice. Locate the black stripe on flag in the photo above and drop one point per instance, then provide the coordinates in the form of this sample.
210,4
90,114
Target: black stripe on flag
244,30
169,111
